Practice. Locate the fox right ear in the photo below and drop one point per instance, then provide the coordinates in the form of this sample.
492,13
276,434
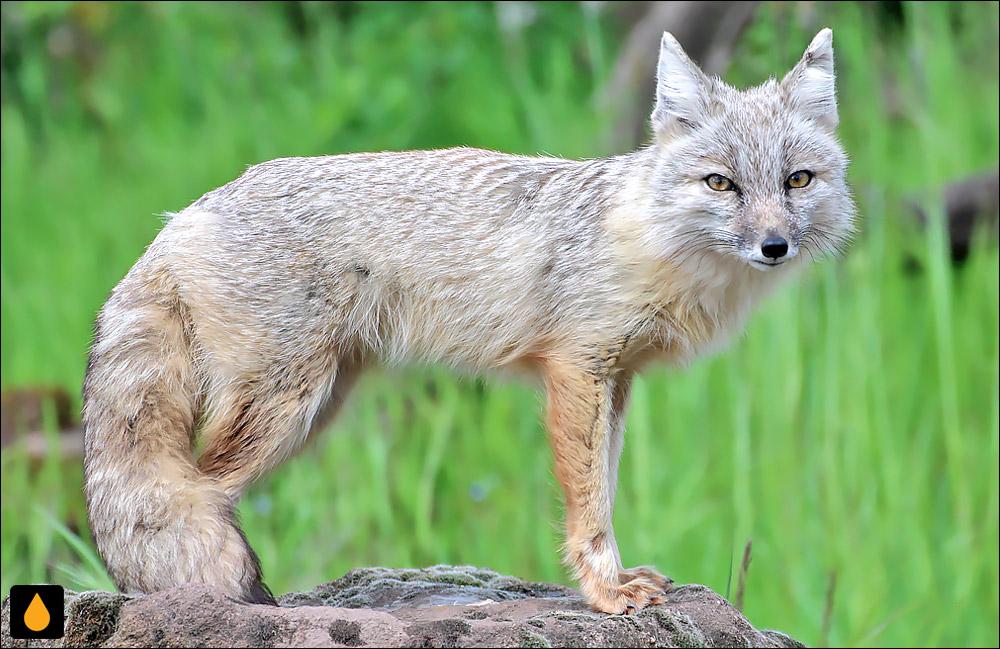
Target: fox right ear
812,84
681,90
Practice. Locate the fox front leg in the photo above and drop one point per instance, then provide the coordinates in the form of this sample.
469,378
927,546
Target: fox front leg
585,419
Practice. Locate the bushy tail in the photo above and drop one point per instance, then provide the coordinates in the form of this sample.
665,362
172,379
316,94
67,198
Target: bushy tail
158,521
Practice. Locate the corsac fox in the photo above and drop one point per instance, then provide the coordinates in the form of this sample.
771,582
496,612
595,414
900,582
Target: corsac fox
255,309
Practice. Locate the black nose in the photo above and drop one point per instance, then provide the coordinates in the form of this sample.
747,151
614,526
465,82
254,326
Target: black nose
774,247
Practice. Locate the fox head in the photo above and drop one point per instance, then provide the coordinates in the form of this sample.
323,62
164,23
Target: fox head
755,175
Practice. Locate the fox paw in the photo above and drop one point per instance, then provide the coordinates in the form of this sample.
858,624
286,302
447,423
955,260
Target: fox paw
639,587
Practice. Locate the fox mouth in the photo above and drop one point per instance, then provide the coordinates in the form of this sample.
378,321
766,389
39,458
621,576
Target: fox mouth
767,265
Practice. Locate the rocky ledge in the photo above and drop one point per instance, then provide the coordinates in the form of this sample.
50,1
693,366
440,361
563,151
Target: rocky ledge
443,606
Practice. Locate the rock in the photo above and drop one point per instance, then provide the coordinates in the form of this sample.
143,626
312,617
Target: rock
443,606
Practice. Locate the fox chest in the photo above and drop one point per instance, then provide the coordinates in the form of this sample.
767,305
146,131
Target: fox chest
688,326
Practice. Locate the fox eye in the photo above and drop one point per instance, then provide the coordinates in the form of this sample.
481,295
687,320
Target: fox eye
719,183
799,179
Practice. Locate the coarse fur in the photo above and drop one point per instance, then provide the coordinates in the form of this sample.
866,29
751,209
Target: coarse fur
254,310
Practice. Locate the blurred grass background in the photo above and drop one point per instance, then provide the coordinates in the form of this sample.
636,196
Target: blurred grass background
865,470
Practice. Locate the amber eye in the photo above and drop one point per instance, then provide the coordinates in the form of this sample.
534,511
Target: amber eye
799,179
719,183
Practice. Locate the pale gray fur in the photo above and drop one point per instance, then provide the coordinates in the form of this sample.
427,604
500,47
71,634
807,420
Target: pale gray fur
253,310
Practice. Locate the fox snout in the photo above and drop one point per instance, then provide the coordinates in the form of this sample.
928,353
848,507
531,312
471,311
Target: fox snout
770,249
768,233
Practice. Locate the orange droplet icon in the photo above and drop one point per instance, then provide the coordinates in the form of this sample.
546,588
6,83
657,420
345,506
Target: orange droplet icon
37,616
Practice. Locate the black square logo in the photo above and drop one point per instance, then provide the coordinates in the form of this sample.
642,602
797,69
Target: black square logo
36,612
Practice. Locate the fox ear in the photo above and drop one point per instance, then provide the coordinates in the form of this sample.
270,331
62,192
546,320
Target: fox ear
811,84
681,90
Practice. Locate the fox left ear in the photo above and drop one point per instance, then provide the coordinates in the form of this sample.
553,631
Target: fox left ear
811,84
682,91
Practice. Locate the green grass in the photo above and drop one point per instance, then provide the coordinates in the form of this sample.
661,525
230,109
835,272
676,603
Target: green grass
871,456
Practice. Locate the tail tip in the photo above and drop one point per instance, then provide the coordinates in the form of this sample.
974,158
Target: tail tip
259,593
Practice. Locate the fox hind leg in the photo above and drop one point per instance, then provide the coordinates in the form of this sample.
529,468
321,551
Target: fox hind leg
262,424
